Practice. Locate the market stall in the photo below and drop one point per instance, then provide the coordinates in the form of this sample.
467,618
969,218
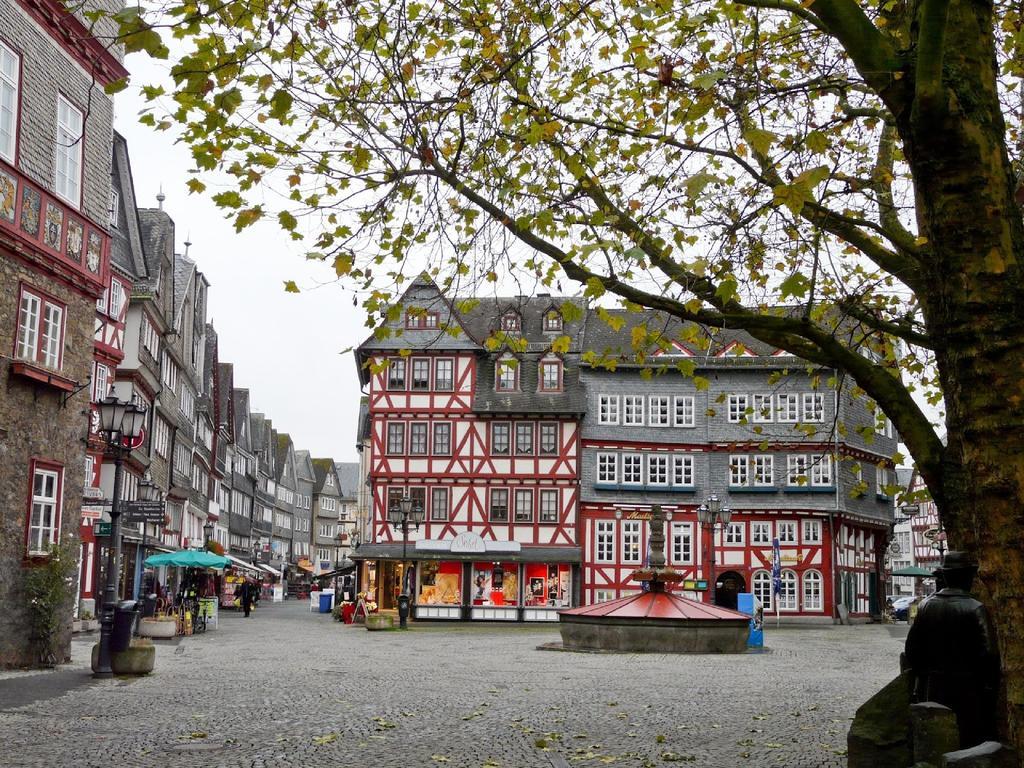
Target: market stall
194,607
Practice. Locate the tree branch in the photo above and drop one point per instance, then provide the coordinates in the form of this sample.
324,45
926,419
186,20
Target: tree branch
931,23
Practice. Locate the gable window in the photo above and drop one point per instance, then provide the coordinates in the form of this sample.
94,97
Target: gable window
443,380
500,439
68,182
548,439
632,468
396,438
737,409
814,406
44,515
10,66
499,505
812,531
419,319
760,533
739,470
657,469
607,409
658,413
764,469
418,438
442,438
40,329
421,373
553,320
551,375
549,506
510,322
115,199
506,375
396,373
439,504
682,470
524,438
786,531
787,408
605,530
607,468
796,470
524,506
762,409
631,541
682,543
683,410
633,410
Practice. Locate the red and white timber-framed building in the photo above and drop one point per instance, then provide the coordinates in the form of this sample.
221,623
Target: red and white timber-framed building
479,425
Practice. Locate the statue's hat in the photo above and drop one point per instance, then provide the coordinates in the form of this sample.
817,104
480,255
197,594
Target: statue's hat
956,560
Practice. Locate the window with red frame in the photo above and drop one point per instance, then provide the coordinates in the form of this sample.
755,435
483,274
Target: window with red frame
418,319
10,71
44,508
40,329
510,322
553,321
507,376
551,376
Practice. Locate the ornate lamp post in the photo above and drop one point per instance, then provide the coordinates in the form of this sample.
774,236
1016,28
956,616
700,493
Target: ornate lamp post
710,515
207,531
121,424
401,515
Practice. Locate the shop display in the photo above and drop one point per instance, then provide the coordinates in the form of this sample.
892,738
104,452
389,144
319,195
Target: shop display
440,584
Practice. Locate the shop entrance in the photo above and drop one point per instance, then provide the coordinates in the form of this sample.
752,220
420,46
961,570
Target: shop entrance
391,584
727,589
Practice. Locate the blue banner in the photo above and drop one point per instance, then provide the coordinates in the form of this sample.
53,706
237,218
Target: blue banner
776,567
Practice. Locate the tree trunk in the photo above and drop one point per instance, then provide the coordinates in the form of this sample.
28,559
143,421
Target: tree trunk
974,309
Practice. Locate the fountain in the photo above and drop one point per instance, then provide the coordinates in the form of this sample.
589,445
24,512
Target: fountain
654,621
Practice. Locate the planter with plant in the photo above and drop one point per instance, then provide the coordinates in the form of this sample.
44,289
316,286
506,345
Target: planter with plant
158,626
49,586
89,622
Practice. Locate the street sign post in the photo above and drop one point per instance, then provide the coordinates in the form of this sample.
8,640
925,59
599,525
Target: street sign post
101,529
143,511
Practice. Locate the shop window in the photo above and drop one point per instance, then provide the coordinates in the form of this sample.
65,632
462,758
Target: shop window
440,583
500,439
549,505
396,373
443,374
495,584
812,591
421,374
682,543
439,504
548,439
763,589
499,505
442,438
418,438
44,511
631,541
524,506
524,438
547,585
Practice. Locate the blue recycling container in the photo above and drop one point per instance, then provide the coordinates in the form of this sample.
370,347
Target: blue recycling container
326,598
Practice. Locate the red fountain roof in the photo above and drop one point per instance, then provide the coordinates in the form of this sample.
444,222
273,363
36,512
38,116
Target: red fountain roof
657,605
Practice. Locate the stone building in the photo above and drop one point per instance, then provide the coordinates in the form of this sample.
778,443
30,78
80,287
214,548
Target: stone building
55,140
326,501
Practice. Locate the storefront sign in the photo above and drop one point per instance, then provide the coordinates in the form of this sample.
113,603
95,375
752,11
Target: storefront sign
467,541
638,516
101,529
91,492
92,512
143,511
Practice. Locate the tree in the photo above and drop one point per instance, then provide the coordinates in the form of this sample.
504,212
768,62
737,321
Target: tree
711,159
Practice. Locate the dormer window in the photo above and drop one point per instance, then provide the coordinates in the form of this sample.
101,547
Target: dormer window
510,322
420,319
506,375
553,320
550,375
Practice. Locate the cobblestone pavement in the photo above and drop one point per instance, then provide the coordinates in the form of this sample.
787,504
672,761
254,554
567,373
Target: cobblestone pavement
291,688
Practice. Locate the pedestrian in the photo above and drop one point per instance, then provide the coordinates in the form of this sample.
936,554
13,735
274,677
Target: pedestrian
246,597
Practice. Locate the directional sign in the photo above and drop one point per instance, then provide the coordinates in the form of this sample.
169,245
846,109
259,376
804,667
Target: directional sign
143,511
101,529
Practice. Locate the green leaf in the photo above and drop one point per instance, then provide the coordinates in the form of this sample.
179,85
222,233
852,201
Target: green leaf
290,286
287,220
817,142
281,105
795,285
116,87
759,139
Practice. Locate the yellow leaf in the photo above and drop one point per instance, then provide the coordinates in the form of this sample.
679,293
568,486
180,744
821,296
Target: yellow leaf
290,286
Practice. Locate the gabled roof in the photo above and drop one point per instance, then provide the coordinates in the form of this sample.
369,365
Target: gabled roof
363,423
126,249
156,230
225,385
208,395
572,399
243,420
284,456
323,468
184,273
348,479
483,320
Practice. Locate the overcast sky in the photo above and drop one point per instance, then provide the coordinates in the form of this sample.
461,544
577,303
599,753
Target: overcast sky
286,347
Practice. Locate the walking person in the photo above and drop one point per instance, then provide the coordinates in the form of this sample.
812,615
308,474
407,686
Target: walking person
247,597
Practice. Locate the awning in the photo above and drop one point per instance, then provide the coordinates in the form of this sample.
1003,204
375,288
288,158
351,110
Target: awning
188,558
270,570
913,570
527,554
346,567
307,567
238,563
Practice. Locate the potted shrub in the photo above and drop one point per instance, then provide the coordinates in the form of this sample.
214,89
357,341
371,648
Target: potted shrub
89,622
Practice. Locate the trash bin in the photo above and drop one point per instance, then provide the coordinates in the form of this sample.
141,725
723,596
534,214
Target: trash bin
149,605
326,599
403,609
125,614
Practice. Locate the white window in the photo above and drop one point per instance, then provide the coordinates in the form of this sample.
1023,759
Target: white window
44,520
657,469
551,376
812,591
787,595
632,469
162,438
605,541
548,439
738,409
764,470
499,505
507,375
328,503
763,589
524,505
328,480
734,533
760,533
112,213
682,544
683,409
188,403
68,182
633,410
739,470
439,504
40,330
796,470
396,438
116,298
787,408
821,471
396,373
603,595
549,505
170,376
421,374
101,302
607,409
631,541
812,531
786,531
682,470
326,531
100,382
10,67
762,409
814,406
150,337
658,410
607,468
443,378
442,438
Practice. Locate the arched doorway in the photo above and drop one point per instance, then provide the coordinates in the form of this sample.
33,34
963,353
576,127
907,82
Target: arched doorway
727,586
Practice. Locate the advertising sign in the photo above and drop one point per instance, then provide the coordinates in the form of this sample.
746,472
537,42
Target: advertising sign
143,511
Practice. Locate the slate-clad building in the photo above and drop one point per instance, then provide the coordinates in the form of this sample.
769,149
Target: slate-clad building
536,446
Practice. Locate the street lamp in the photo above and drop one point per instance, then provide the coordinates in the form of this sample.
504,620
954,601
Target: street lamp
148,491
207,531
710,515
121,424
401,515
340,536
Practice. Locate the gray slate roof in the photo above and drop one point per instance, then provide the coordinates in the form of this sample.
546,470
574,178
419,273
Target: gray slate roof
240,402
157,232
126,249
348,478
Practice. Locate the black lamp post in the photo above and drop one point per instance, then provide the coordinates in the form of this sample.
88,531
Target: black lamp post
340,537
710,514
207,531
121,423
401,515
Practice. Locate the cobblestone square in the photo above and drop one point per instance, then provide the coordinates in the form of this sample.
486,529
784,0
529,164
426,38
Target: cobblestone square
291,688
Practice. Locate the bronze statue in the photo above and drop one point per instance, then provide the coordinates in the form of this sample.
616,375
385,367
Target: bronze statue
952,653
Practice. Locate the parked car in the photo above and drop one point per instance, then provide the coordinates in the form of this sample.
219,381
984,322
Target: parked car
901,607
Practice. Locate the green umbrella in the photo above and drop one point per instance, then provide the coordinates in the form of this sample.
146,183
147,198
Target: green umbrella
188,558
910,570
